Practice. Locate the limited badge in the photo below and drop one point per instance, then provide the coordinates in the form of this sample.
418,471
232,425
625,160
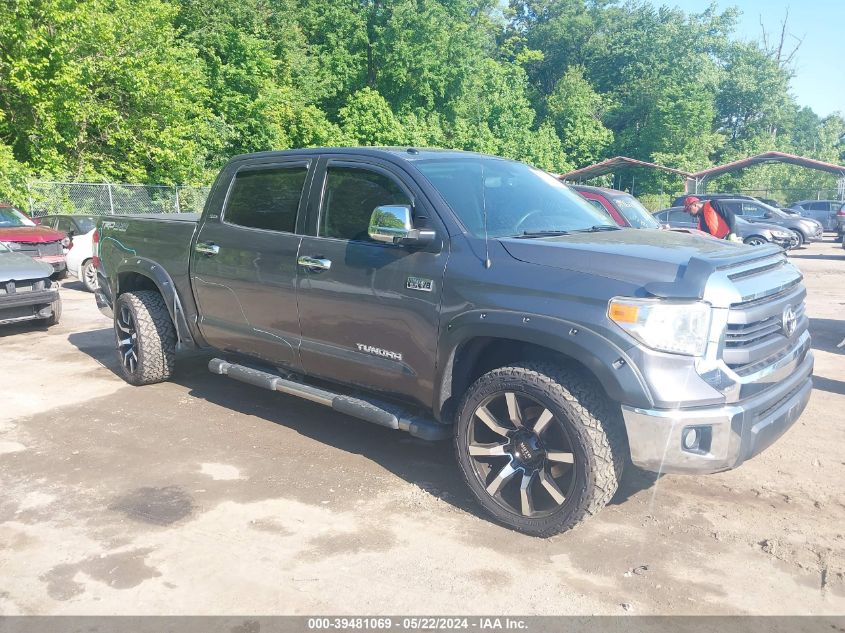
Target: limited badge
418,283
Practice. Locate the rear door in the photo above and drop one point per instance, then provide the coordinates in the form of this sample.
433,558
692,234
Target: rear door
369,313
243,266
819,211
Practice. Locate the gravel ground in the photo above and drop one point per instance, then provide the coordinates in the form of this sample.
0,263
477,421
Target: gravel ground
203,495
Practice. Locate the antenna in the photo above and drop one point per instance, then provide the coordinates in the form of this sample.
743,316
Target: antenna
487,262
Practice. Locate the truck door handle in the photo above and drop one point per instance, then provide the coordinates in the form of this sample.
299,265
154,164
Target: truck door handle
207,248
314,263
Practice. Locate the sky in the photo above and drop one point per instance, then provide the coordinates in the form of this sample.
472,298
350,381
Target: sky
819,64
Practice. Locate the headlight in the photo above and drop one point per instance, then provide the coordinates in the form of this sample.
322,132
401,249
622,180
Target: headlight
667,326
783,235
66,242
12,246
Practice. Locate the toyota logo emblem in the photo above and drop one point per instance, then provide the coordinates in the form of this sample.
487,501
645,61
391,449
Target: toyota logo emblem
790,321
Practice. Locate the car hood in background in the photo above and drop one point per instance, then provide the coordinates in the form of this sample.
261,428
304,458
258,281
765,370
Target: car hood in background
31,234
17,266
634,255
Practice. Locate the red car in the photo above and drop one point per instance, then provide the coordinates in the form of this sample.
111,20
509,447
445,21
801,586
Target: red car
23,235
624,208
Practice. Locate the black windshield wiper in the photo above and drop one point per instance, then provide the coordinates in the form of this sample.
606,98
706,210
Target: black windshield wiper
542,233
599,227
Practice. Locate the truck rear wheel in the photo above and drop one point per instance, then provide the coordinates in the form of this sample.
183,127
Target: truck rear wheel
145,337
541,448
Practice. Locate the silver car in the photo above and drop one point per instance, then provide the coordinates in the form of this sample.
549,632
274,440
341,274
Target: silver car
824,212
752,233
26,291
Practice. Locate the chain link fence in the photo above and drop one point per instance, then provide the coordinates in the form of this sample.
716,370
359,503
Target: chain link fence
83,198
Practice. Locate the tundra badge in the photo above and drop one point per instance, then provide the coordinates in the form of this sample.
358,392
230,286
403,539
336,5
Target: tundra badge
377,351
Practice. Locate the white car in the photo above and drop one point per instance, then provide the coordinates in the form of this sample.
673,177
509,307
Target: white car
80,228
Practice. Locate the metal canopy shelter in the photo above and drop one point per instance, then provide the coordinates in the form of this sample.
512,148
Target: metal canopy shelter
696,181
610,165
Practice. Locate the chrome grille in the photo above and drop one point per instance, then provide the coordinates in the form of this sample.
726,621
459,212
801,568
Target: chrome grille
739,335
756,336
23,285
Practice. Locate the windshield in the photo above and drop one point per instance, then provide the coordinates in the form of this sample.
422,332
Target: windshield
637,215
518,199
85,223
13,217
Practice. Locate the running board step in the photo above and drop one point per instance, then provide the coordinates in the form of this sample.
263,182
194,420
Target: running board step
367,410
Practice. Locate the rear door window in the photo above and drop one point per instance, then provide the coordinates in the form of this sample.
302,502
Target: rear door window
266,198
680,217
751,210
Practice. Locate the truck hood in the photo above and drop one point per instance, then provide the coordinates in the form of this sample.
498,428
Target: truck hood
637,256
17,266
30,234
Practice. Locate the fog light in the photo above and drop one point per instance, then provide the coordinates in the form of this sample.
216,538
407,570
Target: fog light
697,439
690,439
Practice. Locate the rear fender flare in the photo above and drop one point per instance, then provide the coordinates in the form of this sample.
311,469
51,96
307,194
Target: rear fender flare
165,286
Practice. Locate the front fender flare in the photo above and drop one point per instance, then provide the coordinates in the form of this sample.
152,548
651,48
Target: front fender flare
611,365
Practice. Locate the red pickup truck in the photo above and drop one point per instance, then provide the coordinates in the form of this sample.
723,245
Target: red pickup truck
23,235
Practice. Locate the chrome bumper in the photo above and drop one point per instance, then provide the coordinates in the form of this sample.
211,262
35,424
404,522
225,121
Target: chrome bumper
735,432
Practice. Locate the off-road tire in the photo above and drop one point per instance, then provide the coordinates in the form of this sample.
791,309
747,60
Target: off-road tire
592,421
155,340
54,318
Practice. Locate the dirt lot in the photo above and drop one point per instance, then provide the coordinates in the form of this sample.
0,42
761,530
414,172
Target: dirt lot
205,495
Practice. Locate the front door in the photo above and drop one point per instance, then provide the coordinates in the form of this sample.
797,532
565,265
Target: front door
369,310
244,263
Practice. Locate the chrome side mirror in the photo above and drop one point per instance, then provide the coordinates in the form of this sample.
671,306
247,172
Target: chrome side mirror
392,224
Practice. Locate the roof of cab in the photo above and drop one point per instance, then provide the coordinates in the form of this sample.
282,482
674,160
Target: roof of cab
402,153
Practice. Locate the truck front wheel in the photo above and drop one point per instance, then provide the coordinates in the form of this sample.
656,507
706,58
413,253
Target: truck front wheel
541,448
145,337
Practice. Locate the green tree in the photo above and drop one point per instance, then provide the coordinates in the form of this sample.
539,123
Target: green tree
367,119
576,110
102,89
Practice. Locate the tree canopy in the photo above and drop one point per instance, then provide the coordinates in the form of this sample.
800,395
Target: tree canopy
164,91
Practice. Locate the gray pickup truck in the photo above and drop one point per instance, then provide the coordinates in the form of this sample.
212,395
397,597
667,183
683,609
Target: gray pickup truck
446,294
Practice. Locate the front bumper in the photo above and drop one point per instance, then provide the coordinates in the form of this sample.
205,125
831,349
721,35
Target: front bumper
786,243
57,262
737,432
26,306
817,236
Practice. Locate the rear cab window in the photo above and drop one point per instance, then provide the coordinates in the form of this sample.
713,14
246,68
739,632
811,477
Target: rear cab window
266,198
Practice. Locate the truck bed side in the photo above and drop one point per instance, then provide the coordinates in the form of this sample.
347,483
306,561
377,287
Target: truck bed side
139,250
